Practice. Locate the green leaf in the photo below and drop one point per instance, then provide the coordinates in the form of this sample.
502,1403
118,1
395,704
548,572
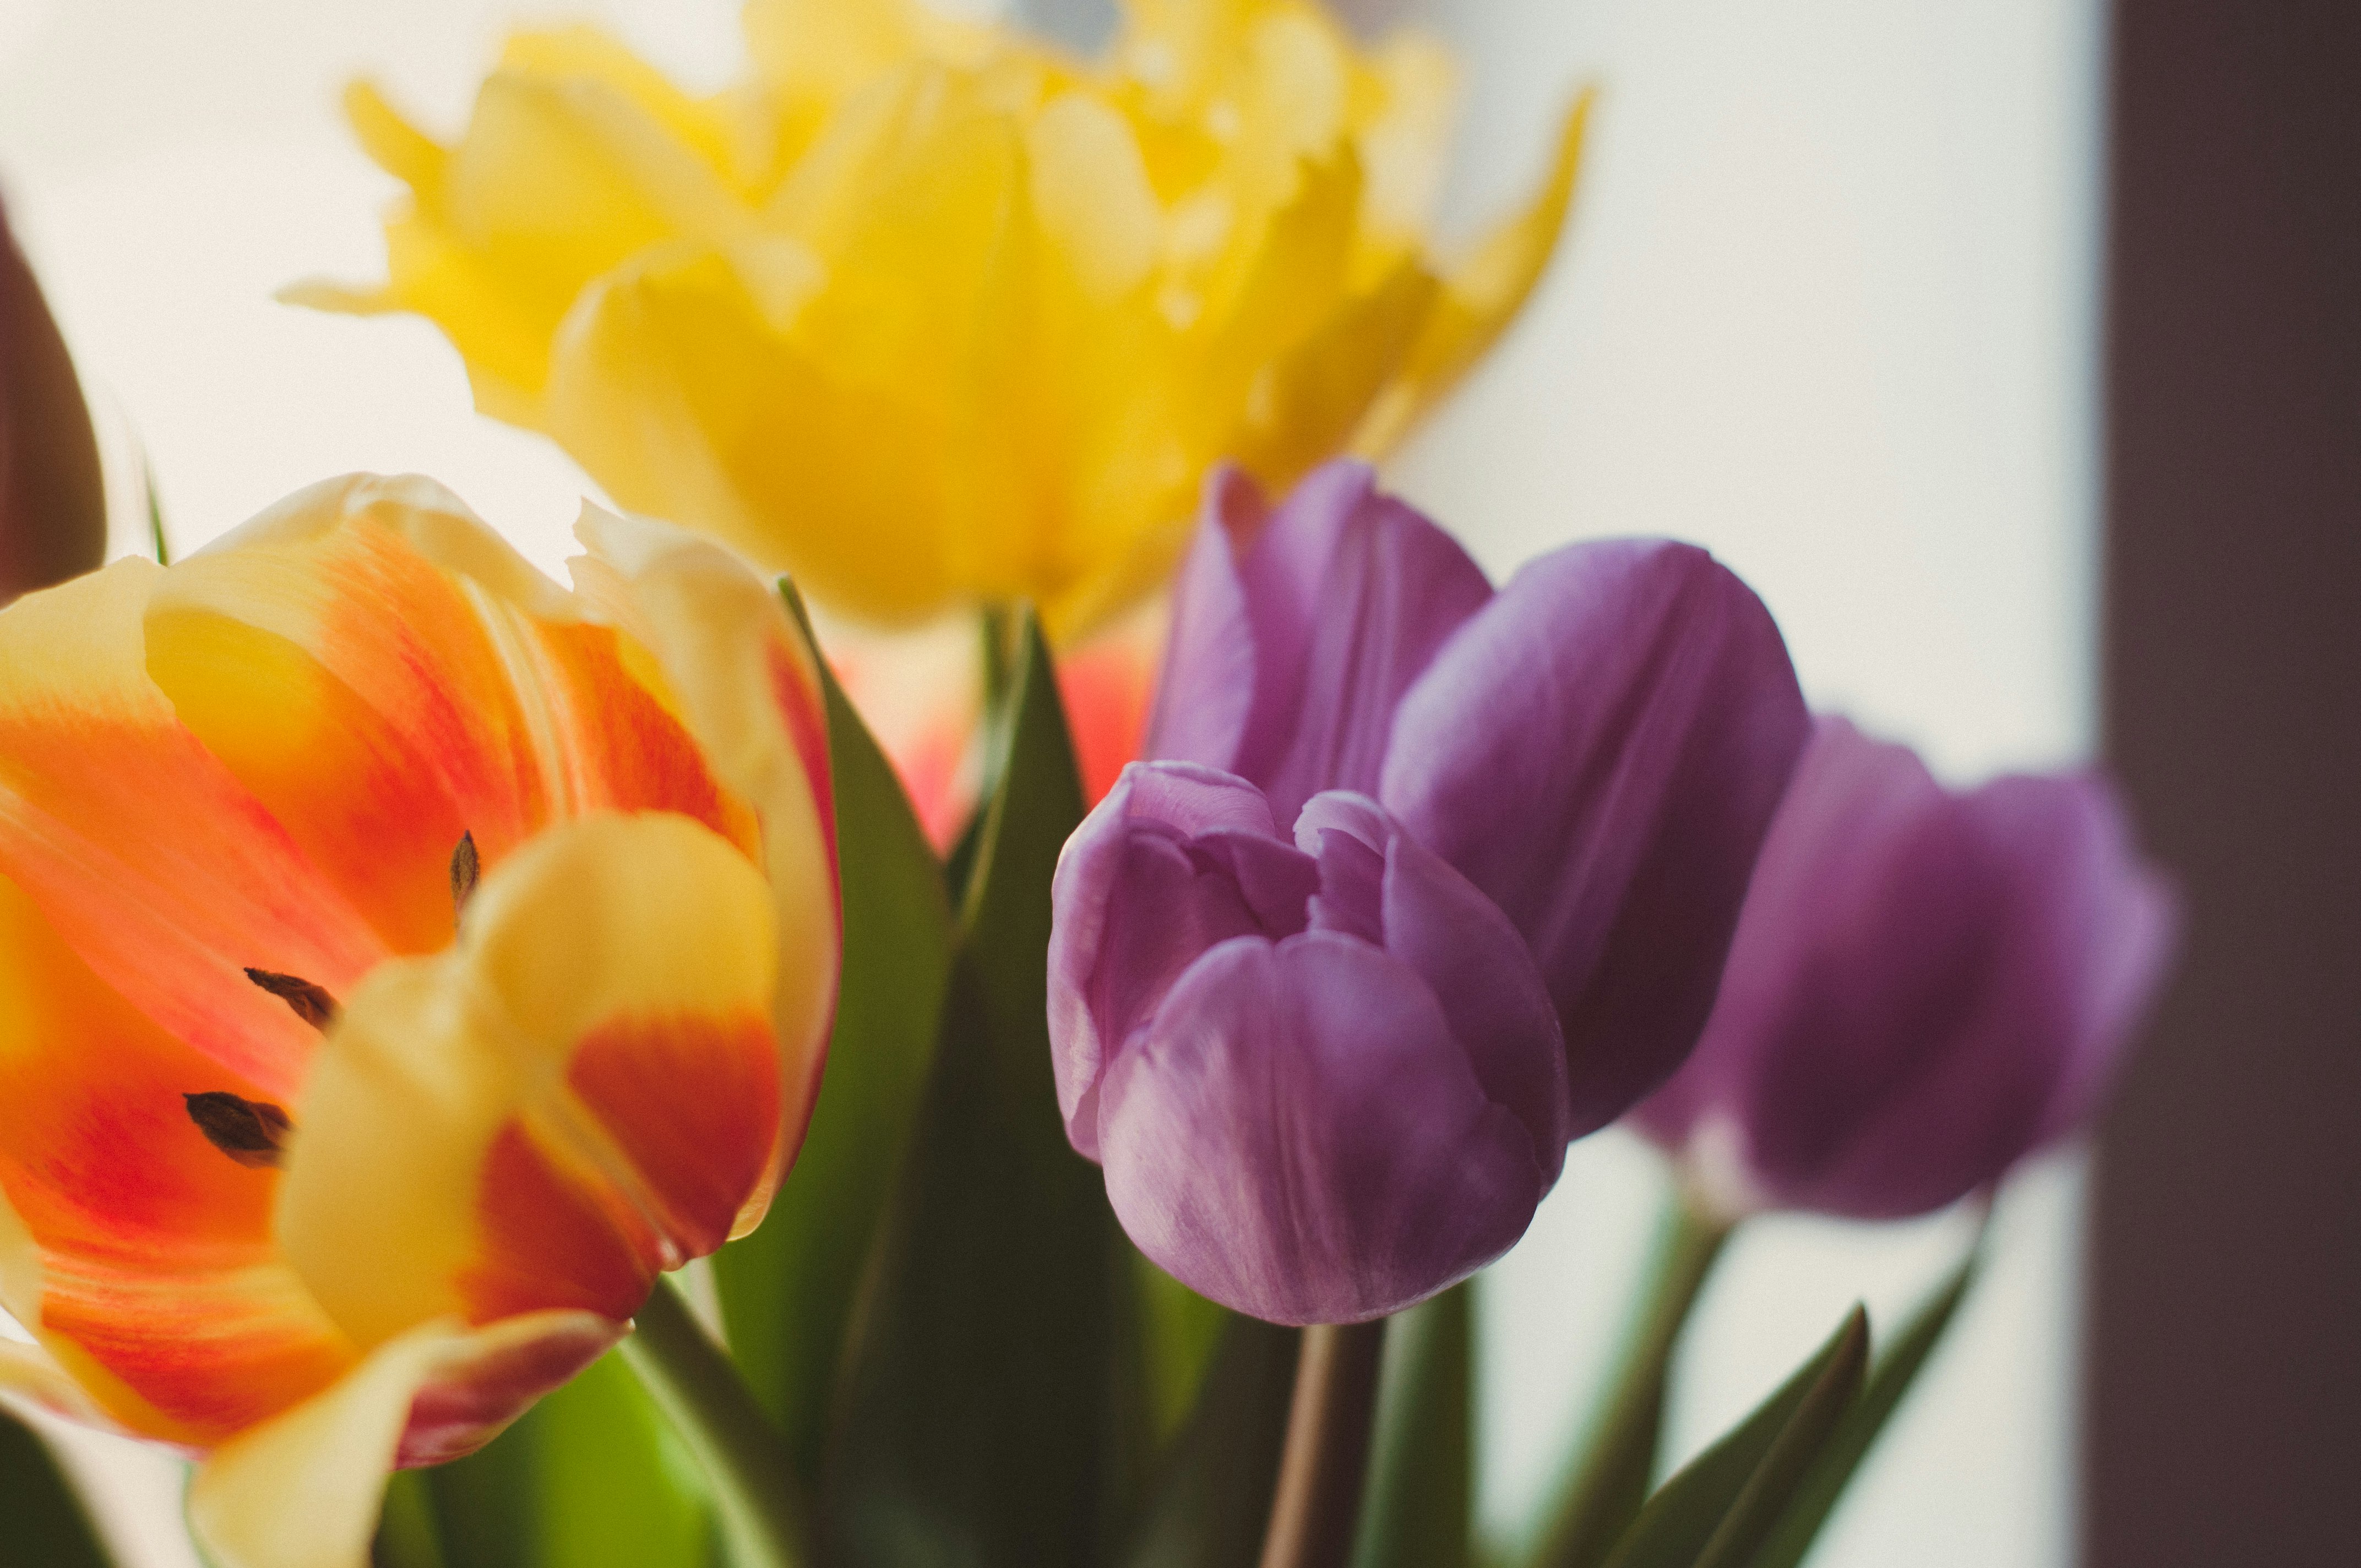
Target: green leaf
592,1476
1182,1331
787,1290
1603,1487
1418,1511
1718,1508
993,1412
1889,1380
1211,1503
42,1521
408,1534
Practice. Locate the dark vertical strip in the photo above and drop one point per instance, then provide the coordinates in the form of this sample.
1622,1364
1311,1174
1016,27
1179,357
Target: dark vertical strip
2224,1331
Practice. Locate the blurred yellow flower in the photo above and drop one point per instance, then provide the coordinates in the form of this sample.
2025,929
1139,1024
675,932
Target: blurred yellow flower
931,314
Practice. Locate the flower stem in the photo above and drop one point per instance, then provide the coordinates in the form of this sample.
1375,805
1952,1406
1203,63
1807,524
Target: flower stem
1326,1460
1604,1488
742,1454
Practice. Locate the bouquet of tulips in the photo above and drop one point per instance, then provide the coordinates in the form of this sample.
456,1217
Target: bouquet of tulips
504,1073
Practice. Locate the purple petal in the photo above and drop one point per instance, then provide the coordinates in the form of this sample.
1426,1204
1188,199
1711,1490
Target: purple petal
1328,610
1175,860
1600,750
1427,915
1298,1136
1206,693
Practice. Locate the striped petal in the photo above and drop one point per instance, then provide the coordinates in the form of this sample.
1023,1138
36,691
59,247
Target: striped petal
333,1452
747,683
582,1092
148,857
140,1254
384,674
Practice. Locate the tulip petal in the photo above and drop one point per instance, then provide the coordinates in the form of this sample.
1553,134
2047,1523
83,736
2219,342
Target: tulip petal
747,681
1480,297
333,1452
1136,902
1341,600
142,1256
52,495
386,675
147,855
581,1093
1600,750
1455,940
1298,1136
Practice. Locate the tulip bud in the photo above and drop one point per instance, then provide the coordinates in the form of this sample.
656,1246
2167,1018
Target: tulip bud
52,501
1925,987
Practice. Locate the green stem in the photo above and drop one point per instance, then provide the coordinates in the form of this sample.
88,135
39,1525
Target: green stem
1603,1490
742,1454
1326,1461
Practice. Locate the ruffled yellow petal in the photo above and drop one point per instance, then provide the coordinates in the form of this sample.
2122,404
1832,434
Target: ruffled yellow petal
302,1490
1480,297
582,1092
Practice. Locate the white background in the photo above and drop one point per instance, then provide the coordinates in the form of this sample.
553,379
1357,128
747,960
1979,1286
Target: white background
1826,306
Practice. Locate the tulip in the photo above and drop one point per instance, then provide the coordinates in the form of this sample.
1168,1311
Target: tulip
406,961
936,315
1323,1077
1330,1078
1926,986
52,501
1598,747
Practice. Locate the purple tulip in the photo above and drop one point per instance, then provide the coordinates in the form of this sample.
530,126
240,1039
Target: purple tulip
1598,747
1925,987
1322,1075
1330,1075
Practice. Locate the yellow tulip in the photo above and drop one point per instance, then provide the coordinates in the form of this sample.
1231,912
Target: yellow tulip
402,961
932,314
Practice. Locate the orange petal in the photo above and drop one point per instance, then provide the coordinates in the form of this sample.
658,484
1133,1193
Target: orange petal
435,1393
148,857
582,1092
146,1263
747,684
384,674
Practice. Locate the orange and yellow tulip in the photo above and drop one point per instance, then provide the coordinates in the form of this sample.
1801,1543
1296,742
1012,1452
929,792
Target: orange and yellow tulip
402,961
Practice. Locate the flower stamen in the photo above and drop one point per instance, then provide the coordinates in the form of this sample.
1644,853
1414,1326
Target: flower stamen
466,866
251,1132
311,1002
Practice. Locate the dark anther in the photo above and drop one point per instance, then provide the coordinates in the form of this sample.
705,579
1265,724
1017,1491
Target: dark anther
466,867
310,1002
251,1132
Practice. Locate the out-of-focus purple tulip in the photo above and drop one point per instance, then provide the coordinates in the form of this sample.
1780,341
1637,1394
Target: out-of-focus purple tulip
1925,987
1330,1077
1598,747
52,502
1322,1075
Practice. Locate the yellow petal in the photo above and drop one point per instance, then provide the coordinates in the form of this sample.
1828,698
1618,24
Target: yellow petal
304,1489
1480,299
580,1094
1090,193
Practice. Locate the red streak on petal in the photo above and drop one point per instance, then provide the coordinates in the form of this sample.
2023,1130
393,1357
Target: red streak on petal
693,1103
804,714
467,1403
548,1240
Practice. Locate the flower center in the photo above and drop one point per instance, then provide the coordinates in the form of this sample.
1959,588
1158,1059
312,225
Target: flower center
251,1132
